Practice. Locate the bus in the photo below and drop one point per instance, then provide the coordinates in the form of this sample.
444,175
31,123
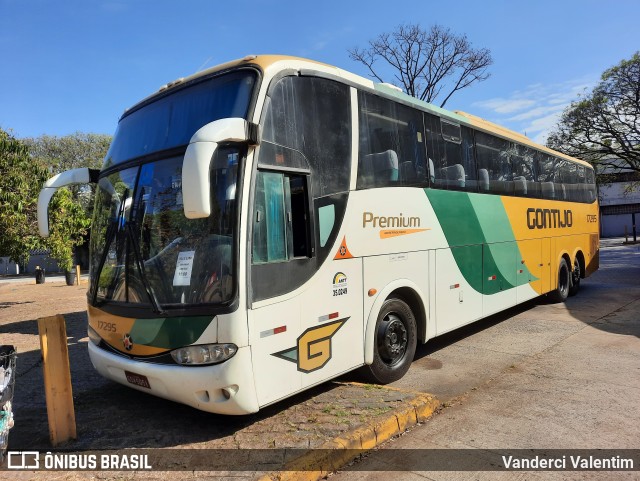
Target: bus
268,224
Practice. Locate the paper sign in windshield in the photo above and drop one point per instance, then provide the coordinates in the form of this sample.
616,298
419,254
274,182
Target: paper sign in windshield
182,277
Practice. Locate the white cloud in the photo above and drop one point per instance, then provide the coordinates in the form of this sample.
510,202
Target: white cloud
505,106
535,110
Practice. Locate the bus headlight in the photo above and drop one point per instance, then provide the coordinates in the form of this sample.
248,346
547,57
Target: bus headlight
204,354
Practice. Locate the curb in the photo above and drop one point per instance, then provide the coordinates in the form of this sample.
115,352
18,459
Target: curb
334,454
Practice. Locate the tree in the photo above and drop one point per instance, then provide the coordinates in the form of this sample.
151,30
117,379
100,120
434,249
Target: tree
426,63
604,127
21,178
68,227
70,151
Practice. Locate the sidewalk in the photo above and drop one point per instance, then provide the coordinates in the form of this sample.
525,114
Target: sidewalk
31,278
580,391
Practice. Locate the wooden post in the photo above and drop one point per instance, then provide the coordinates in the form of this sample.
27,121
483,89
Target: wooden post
57,379
77,274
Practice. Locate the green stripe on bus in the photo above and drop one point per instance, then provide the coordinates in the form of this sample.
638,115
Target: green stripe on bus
169,333
475,219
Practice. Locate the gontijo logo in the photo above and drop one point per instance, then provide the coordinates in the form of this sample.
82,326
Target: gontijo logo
313,350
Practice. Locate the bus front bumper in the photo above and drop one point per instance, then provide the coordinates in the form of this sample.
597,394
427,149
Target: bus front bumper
225,388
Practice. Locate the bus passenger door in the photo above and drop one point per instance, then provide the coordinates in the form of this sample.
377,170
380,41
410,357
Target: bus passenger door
331,335
305,321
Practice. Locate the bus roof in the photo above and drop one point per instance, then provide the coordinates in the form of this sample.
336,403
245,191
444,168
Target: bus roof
265,62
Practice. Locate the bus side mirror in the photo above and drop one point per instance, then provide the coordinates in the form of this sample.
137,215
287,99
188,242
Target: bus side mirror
196,186
73,176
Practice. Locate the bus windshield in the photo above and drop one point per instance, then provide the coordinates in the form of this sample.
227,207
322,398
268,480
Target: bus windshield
144,249
171,120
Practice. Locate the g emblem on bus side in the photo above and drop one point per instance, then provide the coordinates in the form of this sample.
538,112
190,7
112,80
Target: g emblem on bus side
313,349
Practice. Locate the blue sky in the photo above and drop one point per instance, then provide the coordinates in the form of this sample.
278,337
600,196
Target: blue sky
75,65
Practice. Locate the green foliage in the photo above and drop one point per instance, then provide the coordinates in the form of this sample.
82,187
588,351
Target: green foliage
603,127
68,225
25,165
70,151
21,178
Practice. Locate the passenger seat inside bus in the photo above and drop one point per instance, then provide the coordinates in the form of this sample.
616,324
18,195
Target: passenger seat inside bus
548,191
380,168
483,179
520,184
408,174
453,175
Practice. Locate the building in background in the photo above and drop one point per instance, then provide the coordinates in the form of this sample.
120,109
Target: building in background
37,258
619,195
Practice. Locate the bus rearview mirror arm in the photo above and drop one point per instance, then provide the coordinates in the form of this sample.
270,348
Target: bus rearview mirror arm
69,177
197,161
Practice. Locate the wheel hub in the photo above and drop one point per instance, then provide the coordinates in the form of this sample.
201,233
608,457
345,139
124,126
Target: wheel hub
576,272
392,339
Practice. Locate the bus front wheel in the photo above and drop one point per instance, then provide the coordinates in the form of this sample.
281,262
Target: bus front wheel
561,292
395,342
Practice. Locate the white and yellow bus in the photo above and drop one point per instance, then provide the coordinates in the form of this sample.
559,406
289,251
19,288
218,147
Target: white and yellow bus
271,223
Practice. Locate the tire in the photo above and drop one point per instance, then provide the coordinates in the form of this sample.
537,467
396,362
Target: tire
561,293
394,342
575,278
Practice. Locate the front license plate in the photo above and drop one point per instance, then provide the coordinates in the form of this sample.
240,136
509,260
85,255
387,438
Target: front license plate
137,379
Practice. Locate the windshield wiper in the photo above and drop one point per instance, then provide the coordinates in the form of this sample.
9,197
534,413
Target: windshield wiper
110,235
112,230
157,308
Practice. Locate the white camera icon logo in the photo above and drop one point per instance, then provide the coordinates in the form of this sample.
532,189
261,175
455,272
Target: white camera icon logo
23,460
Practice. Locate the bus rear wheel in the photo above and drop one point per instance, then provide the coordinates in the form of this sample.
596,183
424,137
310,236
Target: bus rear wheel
561,292
575,278
394,343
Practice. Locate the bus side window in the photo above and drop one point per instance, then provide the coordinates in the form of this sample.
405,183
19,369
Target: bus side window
591,185
281,223
562,179
437,159
469,160
392,151
494,164
524,173
546,172
269,235
452,171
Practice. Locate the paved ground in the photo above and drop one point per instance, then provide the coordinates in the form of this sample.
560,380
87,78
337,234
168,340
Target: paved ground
540,375
544,376
30,279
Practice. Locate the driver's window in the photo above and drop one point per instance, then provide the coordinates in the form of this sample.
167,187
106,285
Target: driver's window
281,222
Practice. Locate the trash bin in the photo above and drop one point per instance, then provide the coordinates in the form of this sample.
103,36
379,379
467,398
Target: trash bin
70,277
7,383
40,275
